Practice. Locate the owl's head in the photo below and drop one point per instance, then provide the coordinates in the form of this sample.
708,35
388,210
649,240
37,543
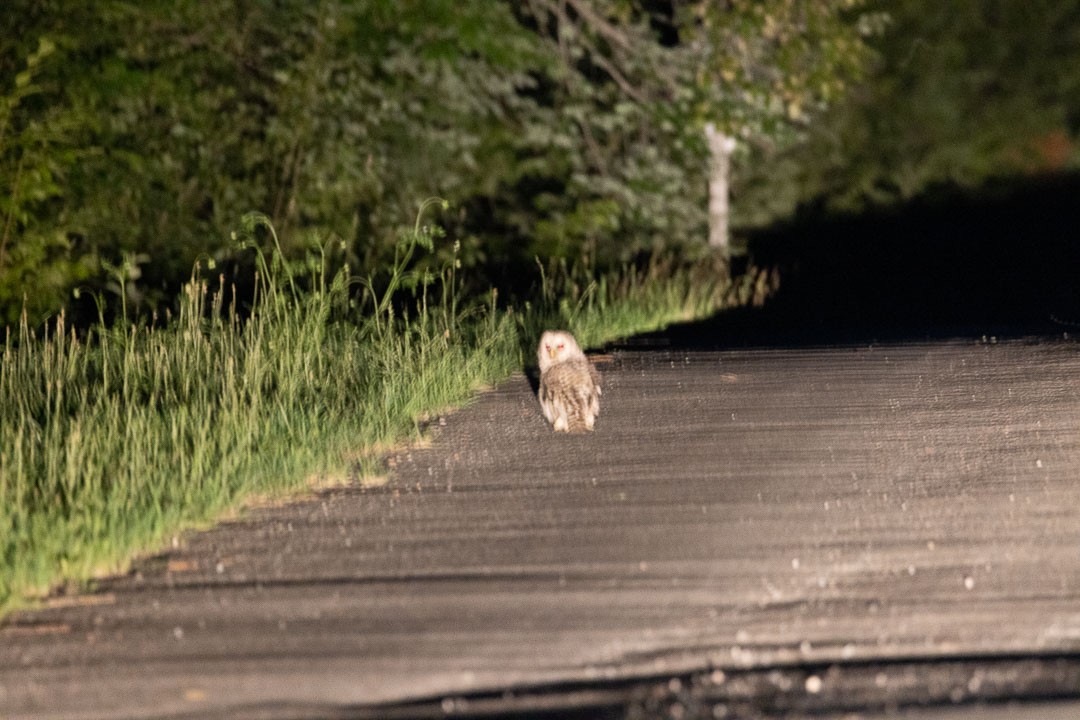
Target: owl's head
557,346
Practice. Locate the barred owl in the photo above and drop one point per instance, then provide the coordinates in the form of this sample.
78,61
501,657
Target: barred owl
569,384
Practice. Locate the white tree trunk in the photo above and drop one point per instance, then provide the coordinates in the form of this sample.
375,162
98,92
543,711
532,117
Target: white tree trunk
720,148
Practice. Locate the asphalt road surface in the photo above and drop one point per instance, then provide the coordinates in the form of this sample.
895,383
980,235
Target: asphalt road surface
844,532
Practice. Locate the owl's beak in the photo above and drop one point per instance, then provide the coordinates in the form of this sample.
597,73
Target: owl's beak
551,353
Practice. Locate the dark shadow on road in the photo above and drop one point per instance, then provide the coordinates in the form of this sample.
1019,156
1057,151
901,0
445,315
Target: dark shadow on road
812,690
1004,261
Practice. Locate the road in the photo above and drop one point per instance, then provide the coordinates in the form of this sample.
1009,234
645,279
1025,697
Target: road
857,529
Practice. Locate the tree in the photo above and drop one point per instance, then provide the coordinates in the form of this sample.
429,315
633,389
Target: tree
764,70
715,71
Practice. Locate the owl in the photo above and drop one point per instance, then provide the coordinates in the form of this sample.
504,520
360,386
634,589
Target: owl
569,384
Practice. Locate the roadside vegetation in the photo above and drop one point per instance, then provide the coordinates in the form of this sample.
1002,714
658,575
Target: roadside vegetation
117,438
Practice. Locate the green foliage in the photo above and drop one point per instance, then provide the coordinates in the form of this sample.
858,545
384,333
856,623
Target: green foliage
328,117
38,150
761,70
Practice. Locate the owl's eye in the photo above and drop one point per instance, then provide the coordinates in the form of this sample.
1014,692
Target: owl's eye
559,346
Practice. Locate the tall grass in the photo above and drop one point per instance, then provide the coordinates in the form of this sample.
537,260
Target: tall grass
600,308
111,443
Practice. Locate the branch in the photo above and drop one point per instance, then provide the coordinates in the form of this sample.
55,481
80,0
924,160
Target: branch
619,78
599,24
11,212
601,27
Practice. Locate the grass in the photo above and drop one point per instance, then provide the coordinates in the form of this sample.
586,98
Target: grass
112,443
599,309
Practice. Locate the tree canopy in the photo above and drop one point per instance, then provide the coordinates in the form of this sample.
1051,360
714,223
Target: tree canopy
134,135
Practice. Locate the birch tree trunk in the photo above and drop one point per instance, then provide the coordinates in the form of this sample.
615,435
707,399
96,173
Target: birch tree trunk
720,148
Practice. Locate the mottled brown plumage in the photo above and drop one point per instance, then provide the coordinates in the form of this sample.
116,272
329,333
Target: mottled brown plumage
569,384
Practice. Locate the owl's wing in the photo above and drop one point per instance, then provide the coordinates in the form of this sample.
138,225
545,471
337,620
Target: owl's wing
594,375
547,398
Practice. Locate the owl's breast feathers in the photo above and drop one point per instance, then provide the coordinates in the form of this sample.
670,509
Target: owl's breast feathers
570,395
